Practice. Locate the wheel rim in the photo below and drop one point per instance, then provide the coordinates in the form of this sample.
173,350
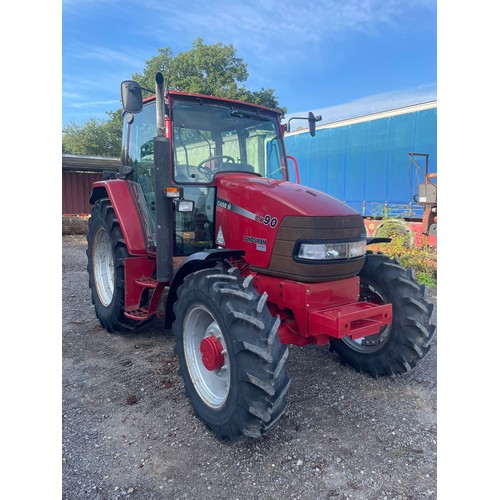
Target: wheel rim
211,385
372,343
103,267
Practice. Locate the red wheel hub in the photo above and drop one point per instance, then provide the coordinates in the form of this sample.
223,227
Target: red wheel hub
211,353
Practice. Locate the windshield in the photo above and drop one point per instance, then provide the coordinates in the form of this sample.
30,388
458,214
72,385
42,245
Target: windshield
210,138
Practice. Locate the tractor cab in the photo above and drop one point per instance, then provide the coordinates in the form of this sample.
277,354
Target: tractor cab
208,136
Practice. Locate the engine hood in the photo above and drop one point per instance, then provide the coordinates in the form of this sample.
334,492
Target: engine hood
267,218
261,195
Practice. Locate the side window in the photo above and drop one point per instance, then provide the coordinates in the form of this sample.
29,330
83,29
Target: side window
273,160
262,149
140,149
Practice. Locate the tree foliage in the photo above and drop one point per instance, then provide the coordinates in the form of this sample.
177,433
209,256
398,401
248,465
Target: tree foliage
94,137
204,69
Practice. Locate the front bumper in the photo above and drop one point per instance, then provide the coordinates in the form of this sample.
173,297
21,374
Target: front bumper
315,313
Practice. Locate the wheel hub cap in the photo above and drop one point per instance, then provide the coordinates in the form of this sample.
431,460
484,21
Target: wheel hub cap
211,353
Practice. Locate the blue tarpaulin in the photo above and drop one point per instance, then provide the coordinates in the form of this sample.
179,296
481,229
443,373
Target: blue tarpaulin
365,162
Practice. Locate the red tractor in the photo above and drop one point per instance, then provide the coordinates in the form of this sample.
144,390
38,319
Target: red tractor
202,226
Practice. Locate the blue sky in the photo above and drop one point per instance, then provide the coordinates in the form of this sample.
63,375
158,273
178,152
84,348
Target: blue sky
317,56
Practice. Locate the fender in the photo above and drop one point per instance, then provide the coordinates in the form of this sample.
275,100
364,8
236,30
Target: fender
118,191
195,262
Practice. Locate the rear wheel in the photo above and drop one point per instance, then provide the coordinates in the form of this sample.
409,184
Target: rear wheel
106,252
398,347
230,356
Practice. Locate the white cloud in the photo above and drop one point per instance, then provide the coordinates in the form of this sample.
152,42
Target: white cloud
285,27
94,104
96,53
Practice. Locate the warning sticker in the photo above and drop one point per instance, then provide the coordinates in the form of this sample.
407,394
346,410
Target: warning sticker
220,237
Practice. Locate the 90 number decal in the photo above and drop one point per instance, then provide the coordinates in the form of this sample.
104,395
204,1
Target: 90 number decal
267,220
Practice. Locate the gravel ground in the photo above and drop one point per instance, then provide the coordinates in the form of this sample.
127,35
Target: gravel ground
129,430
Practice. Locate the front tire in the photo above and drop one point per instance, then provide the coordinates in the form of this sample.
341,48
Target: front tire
230,355
106,252
398,347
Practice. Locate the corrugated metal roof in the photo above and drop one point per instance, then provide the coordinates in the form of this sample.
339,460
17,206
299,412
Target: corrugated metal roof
83,163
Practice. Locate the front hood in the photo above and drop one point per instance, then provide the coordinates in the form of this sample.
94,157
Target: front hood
266,196
266,218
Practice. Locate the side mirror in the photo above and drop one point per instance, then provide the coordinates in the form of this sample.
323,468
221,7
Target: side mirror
131,96
312,122
310,118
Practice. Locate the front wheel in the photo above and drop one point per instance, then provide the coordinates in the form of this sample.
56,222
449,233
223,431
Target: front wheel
398,347
230,355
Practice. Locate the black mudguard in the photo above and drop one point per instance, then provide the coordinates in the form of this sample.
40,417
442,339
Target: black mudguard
195,262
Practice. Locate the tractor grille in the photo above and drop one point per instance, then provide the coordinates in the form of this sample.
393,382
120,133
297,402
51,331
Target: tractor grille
310,229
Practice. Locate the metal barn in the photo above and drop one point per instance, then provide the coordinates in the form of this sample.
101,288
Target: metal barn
78,175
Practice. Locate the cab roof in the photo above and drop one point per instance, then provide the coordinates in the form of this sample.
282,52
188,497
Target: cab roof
214,99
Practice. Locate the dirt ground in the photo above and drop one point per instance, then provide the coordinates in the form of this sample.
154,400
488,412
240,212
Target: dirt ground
129,430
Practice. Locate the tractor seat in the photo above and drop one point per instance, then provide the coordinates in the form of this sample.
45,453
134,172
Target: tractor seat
228,166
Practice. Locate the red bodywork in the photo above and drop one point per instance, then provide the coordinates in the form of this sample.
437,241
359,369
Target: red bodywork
249,210
309,312
125,208
314,313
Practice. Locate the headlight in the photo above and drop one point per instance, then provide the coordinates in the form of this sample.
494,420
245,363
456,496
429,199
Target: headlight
332,251
183,205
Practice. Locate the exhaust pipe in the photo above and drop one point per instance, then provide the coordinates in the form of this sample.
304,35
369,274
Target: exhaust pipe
163,176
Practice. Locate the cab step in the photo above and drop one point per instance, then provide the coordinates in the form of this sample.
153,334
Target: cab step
138,314
146,282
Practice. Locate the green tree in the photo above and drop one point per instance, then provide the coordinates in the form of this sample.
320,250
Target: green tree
94,137
204,69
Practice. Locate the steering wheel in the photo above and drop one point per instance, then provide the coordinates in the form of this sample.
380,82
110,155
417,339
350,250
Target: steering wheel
208,171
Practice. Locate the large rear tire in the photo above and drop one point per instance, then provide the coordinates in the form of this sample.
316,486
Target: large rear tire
399,347
230,355
106,251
